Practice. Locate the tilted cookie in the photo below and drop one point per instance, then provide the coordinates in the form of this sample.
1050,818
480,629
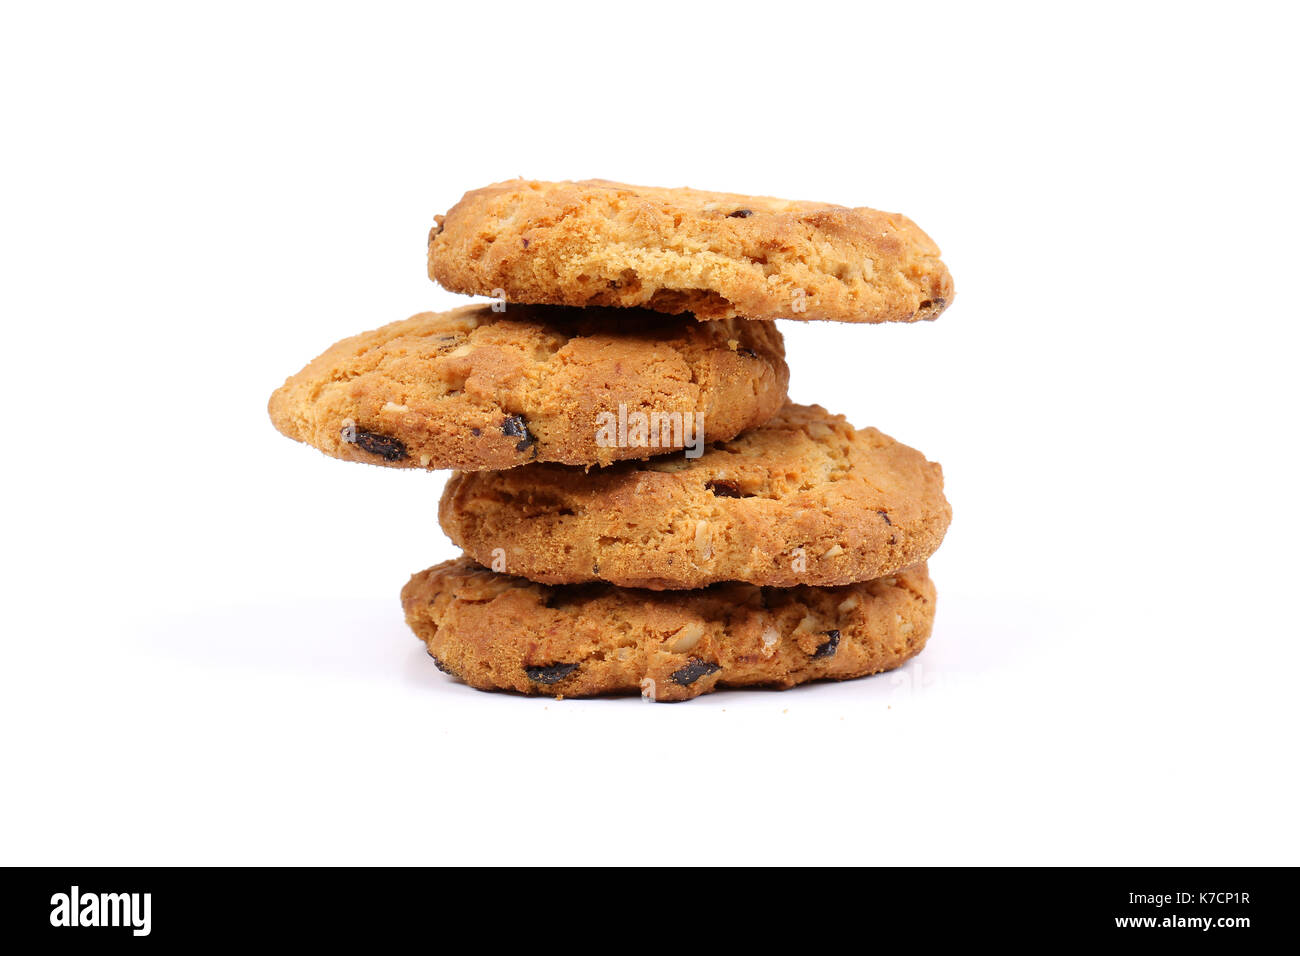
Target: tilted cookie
804,499
716,255
477,389
494,631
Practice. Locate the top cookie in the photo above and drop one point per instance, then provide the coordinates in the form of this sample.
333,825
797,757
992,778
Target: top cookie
476,389
804,499
716,255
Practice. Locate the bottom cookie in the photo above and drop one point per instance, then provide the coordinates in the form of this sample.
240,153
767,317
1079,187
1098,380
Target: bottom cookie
497,632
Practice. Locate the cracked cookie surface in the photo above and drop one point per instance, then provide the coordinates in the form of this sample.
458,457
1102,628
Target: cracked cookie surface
476,389
805,499
715,255
494,631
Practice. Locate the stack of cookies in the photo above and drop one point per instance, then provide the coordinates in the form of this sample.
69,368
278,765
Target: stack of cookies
640,507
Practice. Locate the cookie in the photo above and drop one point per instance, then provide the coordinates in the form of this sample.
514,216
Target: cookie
803,499
714,255
494,631
478,389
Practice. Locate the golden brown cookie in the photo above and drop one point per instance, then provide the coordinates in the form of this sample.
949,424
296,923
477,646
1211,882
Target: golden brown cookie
804,499
494,631
716,255
476,389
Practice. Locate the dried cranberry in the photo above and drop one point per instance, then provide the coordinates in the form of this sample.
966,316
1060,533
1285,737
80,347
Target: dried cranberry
829,648
693,671
516,426
439,664
385,446
725,489
549,673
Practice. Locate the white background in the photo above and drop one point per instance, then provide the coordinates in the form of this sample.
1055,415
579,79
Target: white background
204,656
